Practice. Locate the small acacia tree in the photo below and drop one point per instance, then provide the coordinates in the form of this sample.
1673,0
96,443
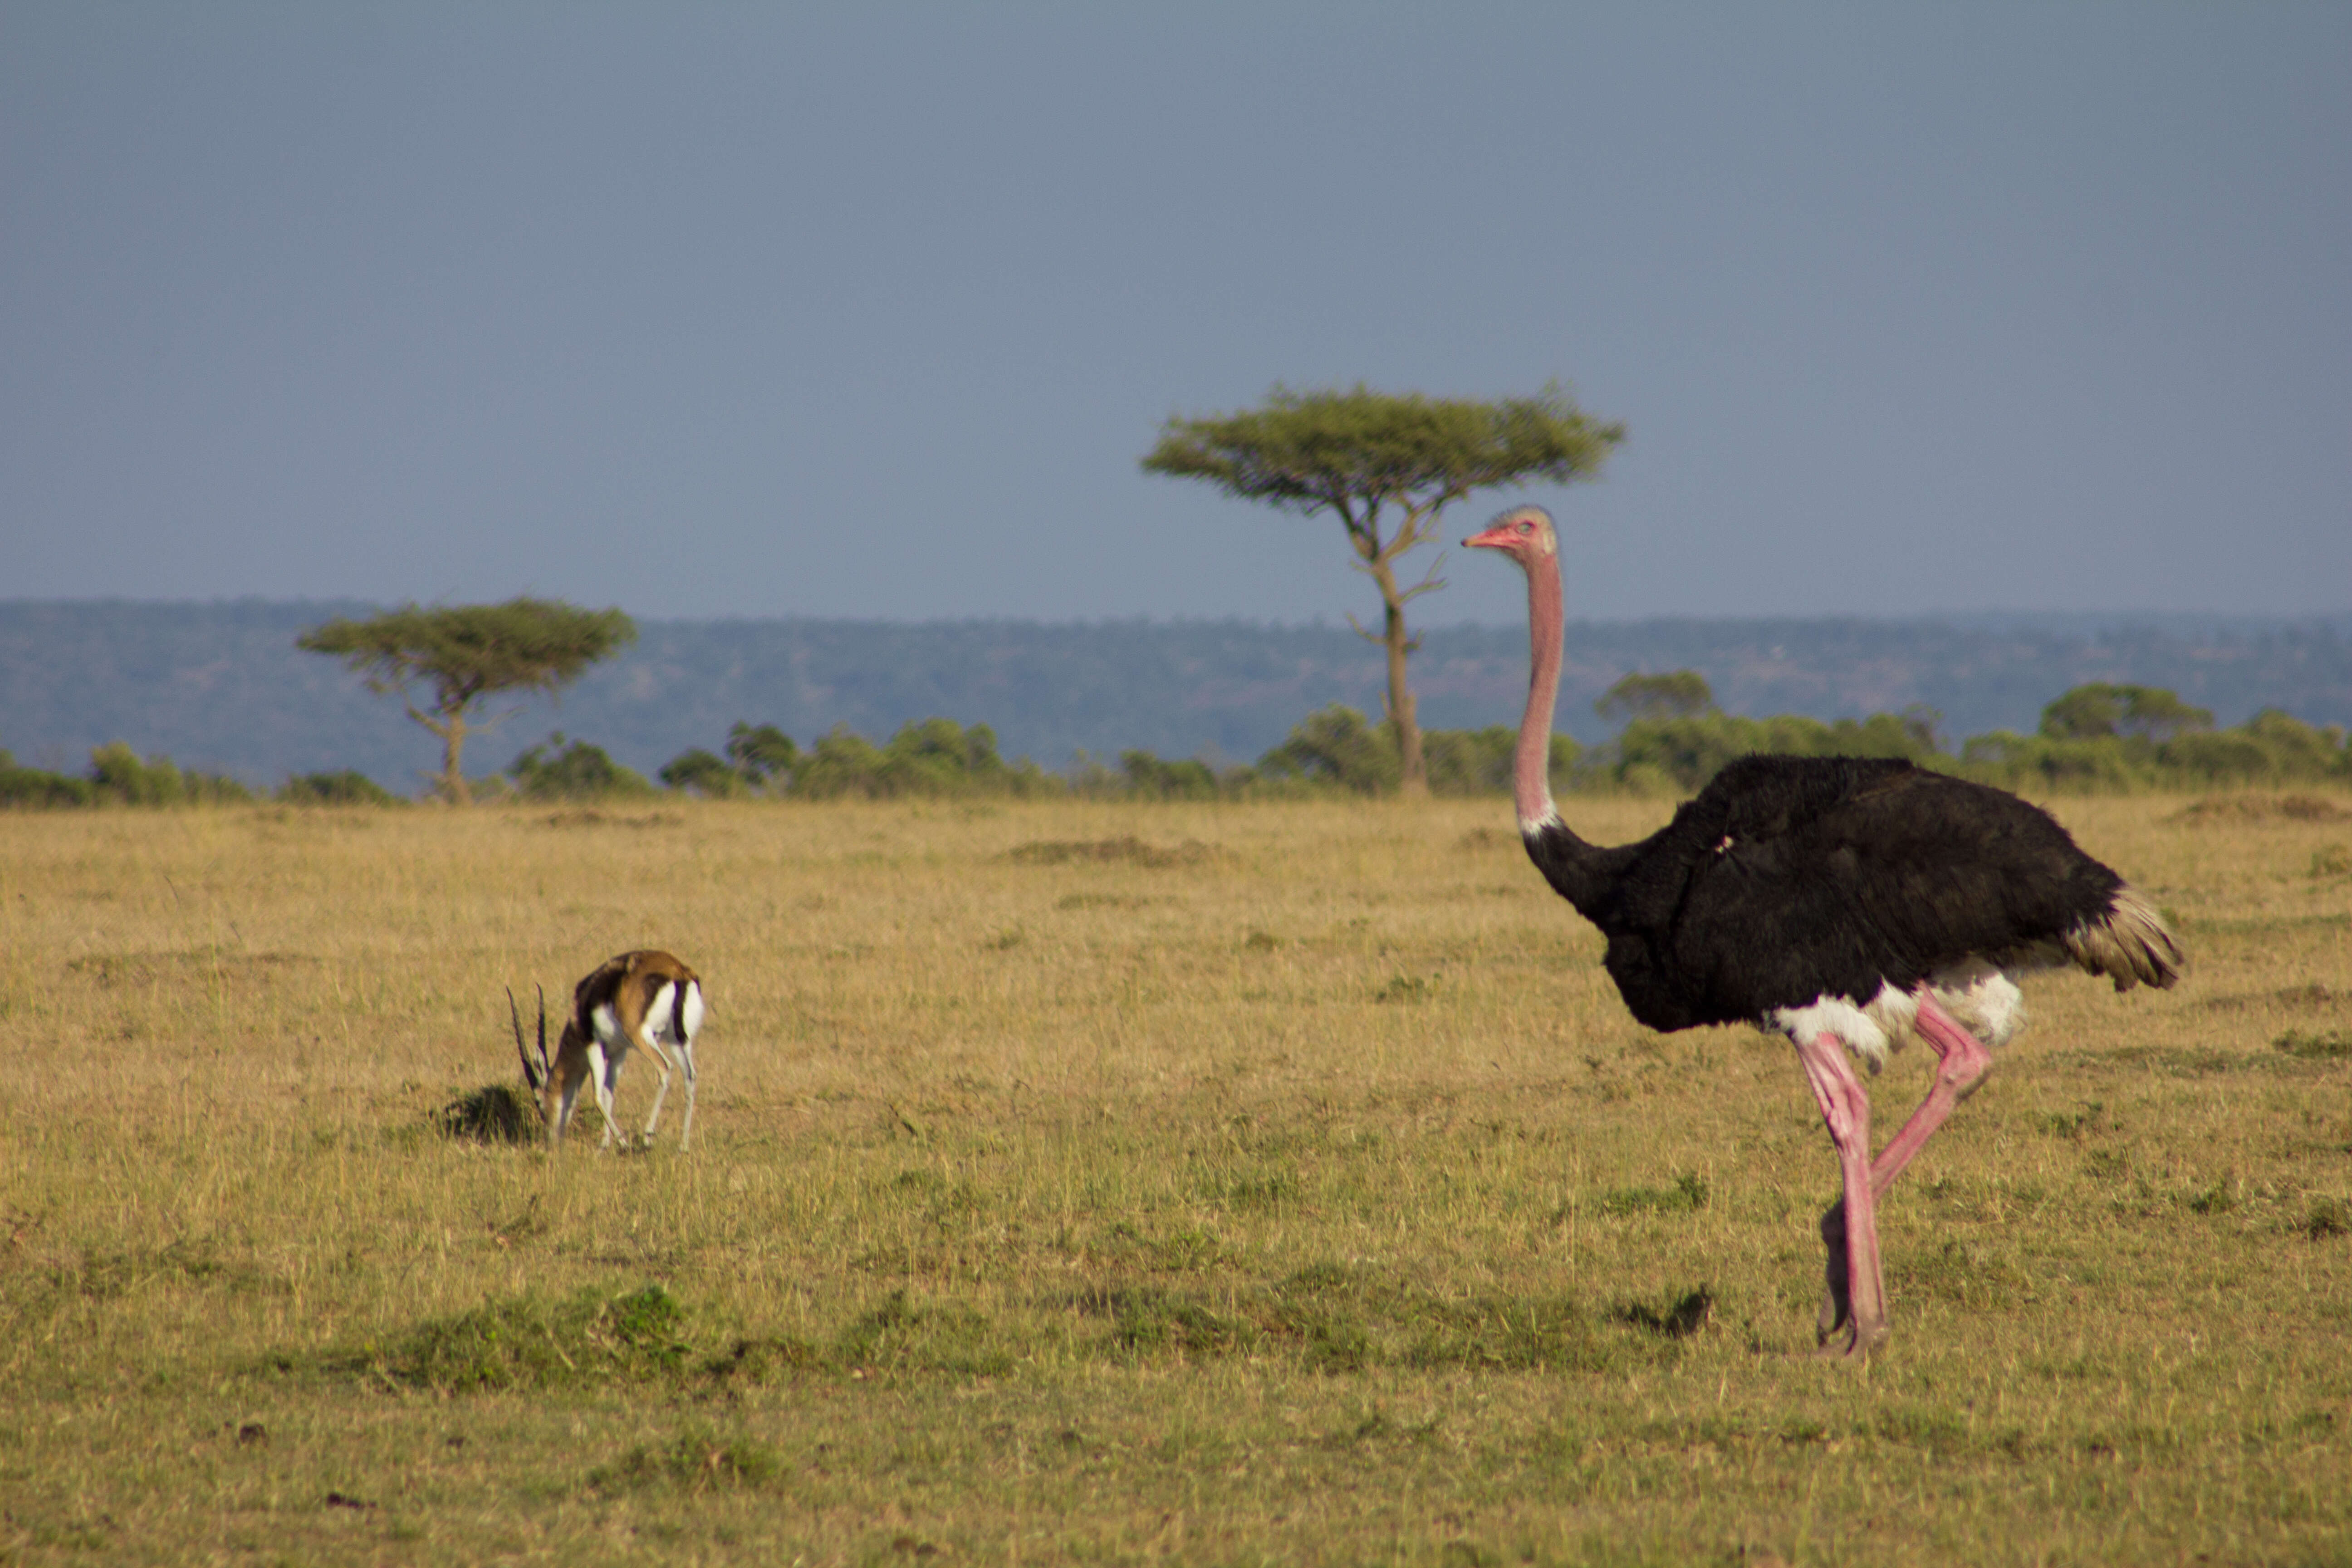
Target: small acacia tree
1676,694
764,755
465,653
2139,712
1370,457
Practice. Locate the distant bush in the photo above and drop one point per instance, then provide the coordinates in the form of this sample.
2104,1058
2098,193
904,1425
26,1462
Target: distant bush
1335,746
349,787
37,787
1676,694
555,770
2290,750
933,757
2137,712
1338,748
698,772
116,773
1479,762
2020,761
843,762
763,755
1676,739
2121,738
940,756
1690,751
2097,738
760,759
1146,777
116,777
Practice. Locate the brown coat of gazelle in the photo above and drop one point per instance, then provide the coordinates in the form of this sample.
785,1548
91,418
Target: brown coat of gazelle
647,999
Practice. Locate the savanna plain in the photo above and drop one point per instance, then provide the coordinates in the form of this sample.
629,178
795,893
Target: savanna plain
1086,1181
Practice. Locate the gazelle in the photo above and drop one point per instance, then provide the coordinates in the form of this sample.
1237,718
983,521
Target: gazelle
645,998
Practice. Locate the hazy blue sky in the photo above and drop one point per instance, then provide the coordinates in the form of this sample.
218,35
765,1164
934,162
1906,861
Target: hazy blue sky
869,310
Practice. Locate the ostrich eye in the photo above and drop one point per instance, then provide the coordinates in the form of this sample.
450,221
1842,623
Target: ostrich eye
1525,527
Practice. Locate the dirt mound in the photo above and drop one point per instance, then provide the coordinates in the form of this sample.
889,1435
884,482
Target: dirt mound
2218,809
1131,849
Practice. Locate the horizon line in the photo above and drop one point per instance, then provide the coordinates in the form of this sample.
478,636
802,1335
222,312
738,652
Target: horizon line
1944,616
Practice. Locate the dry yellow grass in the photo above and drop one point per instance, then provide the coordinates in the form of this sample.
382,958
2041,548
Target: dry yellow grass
1084,1181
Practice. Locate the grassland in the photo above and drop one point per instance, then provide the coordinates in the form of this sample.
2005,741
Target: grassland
1083,1183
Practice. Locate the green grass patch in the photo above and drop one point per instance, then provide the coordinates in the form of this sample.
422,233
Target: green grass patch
1687,1196
697,1460
531,1341
1127,849
1148,1322
2335,1045
902,1333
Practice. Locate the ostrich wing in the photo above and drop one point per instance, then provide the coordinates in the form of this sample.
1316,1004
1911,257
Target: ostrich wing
1789,879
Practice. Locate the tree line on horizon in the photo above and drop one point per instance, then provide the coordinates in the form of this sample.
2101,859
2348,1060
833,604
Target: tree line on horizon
2097,738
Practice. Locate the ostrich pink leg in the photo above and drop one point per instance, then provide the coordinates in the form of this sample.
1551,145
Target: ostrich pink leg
1846,1111
1961,1065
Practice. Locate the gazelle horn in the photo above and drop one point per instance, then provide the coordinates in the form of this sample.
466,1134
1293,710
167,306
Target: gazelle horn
535,1074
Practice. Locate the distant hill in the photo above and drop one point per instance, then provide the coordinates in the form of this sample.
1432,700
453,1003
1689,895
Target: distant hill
221,686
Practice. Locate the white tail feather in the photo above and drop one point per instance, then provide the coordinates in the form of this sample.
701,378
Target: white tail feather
2132,946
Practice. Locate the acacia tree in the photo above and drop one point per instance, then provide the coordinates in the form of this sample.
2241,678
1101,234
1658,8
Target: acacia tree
1676,694
465,653
1369,457
2144,712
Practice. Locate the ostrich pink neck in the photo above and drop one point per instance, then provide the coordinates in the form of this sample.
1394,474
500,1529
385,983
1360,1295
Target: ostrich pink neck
1532,766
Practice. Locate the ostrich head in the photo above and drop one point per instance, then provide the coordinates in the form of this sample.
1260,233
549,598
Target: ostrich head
1524,534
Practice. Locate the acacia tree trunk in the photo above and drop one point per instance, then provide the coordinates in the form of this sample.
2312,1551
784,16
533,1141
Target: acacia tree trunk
1413,777
451,728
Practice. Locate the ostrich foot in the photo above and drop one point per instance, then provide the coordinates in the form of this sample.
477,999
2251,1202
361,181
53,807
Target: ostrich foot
1838,1336
1855,1344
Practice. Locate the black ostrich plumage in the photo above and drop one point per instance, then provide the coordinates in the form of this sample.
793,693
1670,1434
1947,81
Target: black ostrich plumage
1791,879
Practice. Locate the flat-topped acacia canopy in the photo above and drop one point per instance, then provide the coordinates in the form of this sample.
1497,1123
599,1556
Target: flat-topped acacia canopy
467,652
1358,452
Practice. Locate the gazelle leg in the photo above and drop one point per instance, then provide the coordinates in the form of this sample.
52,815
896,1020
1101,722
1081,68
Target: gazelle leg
606,1068
662,1065
1845,1108
686,1057
563,1087
1961,1064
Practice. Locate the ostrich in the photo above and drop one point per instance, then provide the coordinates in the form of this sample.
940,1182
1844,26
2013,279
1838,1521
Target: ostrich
1847,902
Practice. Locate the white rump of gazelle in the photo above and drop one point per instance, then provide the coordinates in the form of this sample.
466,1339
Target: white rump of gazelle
647,998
